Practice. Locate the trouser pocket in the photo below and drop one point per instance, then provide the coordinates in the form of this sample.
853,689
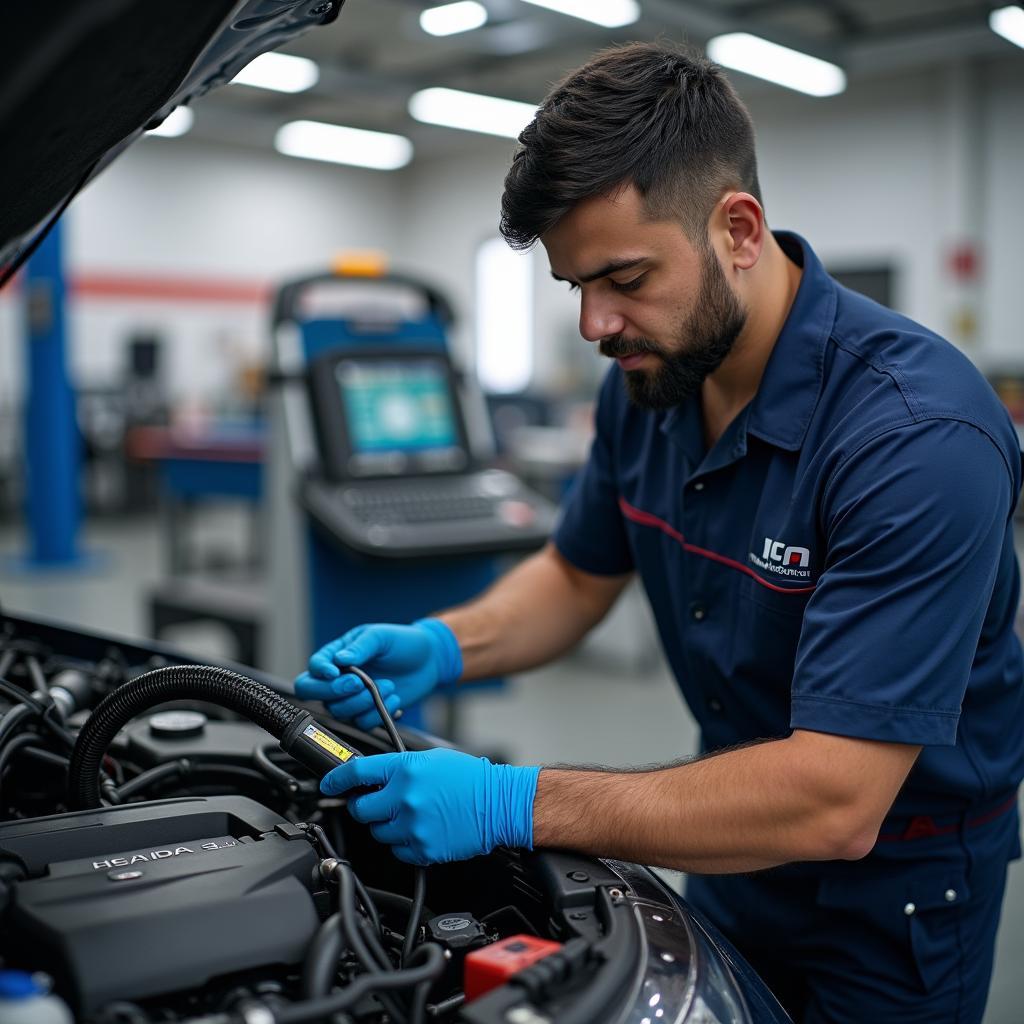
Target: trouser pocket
904,918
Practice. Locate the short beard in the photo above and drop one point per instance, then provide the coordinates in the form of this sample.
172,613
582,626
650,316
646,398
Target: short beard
704,339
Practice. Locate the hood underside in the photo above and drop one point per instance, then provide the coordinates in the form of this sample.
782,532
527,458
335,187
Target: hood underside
82,79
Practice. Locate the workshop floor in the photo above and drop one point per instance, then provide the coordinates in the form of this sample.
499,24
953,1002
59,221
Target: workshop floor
587,708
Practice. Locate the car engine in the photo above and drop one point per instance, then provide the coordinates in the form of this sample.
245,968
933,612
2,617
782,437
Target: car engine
210,881
135,901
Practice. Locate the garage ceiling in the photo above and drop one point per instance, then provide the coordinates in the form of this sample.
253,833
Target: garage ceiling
375,56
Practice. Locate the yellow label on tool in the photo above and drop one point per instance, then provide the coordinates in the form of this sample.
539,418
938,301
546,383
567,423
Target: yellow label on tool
329,743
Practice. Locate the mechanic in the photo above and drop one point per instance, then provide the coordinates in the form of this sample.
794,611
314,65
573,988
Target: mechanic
817,494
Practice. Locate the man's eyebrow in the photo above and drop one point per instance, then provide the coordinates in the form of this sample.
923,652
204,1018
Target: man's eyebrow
609,268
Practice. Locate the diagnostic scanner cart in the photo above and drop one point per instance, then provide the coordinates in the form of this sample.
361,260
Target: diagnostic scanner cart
383,505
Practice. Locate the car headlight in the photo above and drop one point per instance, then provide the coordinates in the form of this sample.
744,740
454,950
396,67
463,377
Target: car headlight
687,978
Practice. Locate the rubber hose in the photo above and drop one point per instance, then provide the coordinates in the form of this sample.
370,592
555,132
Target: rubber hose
257,702
321,966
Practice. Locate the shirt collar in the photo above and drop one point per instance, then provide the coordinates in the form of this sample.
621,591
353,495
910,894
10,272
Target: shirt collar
781,410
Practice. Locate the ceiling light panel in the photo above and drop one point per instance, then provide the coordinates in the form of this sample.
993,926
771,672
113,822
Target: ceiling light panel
449,19
176,123
609,13
1008,22
315,140
779,64
279,72
471,112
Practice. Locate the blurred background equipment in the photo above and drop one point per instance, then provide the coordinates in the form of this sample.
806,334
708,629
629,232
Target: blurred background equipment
387,446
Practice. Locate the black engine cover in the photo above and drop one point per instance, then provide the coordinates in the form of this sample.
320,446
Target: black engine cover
147,899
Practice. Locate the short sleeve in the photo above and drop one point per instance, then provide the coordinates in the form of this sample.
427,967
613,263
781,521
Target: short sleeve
591,533
916,521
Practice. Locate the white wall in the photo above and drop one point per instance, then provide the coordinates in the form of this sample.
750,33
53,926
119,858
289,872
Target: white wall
451,207
858,176
175,209
1004,260
867,176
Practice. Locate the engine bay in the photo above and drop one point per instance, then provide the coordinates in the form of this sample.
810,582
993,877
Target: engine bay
214,882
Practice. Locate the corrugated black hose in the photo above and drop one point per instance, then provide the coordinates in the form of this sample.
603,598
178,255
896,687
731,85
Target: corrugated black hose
299,733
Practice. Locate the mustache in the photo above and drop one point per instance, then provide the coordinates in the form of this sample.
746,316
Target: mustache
618,347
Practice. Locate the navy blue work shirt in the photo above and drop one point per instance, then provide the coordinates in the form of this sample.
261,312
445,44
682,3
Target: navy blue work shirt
842,559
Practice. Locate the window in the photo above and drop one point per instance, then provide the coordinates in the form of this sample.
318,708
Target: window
504,317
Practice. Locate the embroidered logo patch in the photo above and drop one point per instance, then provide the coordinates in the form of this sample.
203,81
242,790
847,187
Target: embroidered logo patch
783,559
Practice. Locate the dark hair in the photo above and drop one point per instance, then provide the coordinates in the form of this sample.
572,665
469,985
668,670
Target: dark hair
658,117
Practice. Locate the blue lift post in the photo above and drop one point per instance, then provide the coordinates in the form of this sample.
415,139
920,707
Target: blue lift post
52,441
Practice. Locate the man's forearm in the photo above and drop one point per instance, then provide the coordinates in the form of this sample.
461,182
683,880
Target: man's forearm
532,615
742,810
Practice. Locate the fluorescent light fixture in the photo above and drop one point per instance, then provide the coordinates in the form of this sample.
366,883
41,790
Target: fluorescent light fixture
449,19
279,72
791,68
176,123
314,140
504,317
609,13
1008,22
471,112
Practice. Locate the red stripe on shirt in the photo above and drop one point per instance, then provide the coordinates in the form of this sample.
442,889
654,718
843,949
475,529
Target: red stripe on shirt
647,519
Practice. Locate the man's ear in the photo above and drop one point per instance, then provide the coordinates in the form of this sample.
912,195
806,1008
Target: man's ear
740,220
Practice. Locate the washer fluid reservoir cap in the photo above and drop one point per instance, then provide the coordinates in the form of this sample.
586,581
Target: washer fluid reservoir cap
177,725
18,985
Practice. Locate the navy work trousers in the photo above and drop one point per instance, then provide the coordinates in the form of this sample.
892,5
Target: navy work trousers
904,936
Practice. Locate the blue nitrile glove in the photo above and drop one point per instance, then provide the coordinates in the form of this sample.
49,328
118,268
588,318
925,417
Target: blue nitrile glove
406,662
439,805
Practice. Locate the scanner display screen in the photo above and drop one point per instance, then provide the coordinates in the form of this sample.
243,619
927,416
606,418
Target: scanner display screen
398,408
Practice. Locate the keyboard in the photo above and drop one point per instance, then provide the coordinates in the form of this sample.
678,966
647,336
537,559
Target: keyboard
485,511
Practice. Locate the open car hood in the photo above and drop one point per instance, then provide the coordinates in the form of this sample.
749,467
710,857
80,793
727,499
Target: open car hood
80,80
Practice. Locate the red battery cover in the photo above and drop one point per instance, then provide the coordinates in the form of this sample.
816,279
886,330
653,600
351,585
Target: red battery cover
493,965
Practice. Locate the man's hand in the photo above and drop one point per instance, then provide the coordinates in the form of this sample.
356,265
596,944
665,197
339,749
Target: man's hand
439,805
407,663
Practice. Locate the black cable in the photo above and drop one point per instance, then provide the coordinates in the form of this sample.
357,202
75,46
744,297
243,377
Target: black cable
385,717
152,775
36,672
446,1005
372,957
16,693
273,772
349,914
418,1007
420,883
6,660
13,746
12,719
419,895
48,756
325,843
365,985
361,891
237,771
368,905
321,962
38,708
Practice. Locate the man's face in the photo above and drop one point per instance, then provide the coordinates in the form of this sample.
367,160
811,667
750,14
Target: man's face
654,301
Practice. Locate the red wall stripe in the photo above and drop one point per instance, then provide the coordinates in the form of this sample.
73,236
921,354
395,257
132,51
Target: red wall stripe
168,289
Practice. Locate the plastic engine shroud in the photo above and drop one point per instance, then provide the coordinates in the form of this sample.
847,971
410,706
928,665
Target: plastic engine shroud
133,901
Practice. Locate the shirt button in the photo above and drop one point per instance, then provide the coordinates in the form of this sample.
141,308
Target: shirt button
698,612
951,895
699,485
910,910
